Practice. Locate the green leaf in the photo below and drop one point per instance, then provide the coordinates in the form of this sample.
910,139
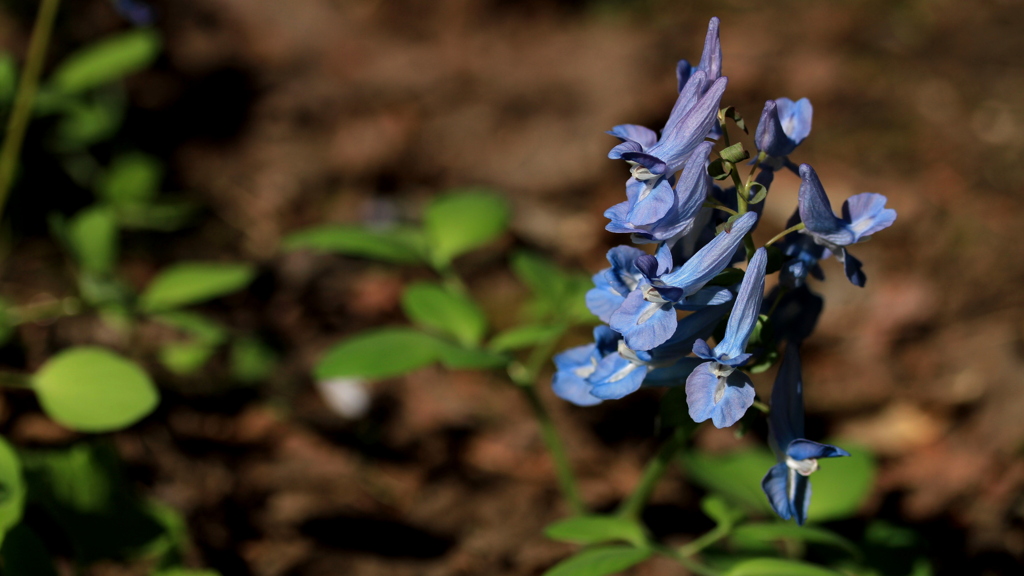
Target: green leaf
8,78
187,283
720,168
379,354
597,530
132,178
736,475
12,488
600,561
557,294
842,485
719,510
778,567
24,553
197,326
459,222
179,571
434,306
92,389
400,245
757,192
184,358
107,60
251,360
455,357
735,116
769,532
524,337
93,238
88,122
540,275
734,153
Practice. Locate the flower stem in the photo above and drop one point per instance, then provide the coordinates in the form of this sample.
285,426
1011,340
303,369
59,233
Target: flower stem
656,468
718,206
782,234
21,113
688,563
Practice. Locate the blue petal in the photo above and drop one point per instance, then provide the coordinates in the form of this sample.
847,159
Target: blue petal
866,214
653,204
624,274
575,358
643,324
774,486
711,57
746,309
801,449
674,375
738,397
699,324
796,118
683,71
685,130
712,258
799,496
702,350
786,419
700,392
706,296
796,315
770,137
603,300
852,268
640,134
569,386
816,212
615,377
607,340
619,216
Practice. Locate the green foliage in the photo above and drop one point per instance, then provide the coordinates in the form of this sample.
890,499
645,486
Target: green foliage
399,245
8,79
12,488
597,530
842,485
251,360
461,221
455,357
184,358
736,475
93,238
557,295
719,510
187,283
600,561
778,567
105,61
524,337
379,354
23,553
436,307
185,572
92,389
132,178
88,121
735,153
756,534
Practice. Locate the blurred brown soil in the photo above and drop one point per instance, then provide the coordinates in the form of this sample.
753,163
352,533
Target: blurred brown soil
315,111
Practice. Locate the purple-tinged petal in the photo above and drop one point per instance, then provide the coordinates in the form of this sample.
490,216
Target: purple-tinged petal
769,137
722,398
623,275
616,377
712,258
801,449
852,268
866,214
643,161
737,398
746,309
683,72
627,147
643,324
682,134
674,375
774,485
816,212
786,419
796,118
700,392
640,134
653,203
711,57
706,296
570,380
692,189
702,350
799,496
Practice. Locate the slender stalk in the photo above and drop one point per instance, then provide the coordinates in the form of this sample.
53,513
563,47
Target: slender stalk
17,123
707,539
753,168
718,206
689,563
782,234
656,468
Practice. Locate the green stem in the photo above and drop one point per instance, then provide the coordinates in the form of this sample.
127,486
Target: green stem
656,468
707,539
17,123
718,206
782,234
757,162
14,380
688,563
548,432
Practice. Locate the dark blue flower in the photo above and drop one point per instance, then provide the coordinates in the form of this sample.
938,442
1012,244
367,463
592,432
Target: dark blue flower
786,484
783,126
795,315
715,390
863,215
135,11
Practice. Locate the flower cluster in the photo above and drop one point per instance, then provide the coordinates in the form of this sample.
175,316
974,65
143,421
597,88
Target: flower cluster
662,308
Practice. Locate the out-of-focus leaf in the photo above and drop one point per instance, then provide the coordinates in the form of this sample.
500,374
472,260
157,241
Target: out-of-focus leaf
524,337
8,79
89,122
24,553
841,485
379,354
600,561
778,567
736,475
195,325
132,178
597,530
251,360
719,510
455,357
184,358
107,60
557,293
12,488
540,275
185,572
400,245
93,238
92,389
187,283
172,544
461,221
769,532
434,306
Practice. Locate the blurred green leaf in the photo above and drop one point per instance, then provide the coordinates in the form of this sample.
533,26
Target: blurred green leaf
399,245
12,488
597,530
841,485
769,532
88,122
196,325
187,283
184,358
719,510
132,178
674,412
379,354
461,221
455,357
524,337
23,553
251,360
8,79
107,60
92,389
600,561
185,572
434,306
557,294
539,274
93,238
736,475
778,567
172,544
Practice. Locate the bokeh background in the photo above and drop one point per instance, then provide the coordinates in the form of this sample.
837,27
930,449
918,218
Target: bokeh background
274,116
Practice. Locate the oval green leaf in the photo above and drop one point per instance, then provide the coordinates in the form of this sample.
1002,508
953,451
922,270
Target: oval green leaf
92,389
462,221
379,354
397,245
93,238
189,283
12,488
434,306
107,60
842,485
600,561
736,476
770,532
132,178
524,337
597,530
455,357
778,567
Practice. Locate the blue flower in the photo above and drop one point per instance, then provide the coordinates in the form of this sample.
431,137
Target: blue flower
863,215
795,315
137,12
647,316
660,212
611,285
786,484
715,390
783,126
575,365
